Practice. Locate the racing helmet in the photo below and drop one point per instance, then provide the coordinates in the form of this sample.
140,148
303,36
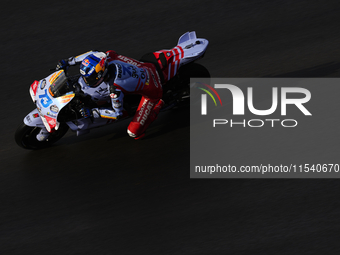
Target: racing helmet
94,68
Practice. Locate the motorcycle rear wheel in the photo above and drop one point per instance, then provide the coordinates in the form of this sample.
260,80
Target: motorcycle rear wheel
177,91
25,136
193,70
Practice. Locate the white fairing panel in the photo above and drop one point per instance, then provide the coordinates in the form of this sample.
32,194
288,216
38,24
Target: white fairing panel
33,119
192,46
186,37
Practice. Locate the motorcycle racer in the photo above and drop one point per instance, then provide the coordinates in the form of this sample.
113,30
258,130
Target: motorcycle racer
95,97
108,77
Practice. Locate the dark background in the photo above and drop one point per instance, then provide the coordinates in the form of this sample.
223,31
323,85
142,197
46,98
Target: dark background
105,193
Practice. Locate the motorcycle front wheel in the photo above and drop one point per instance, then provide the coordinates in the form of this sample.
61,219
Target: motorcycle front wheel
25,136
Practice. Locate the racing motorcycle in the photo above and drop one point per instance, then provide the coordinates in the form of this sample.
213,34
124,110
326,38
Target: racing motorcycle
58,99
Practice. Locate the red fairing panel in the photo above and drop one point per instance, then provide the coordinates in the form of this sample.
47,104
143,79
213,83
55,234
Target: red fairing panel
34,87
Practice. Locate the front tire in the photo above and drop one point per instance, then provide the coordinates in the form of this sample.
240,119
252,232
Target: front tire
25,136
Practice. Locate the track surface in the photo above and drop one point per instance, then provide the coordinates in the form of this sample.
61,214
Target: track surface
107,194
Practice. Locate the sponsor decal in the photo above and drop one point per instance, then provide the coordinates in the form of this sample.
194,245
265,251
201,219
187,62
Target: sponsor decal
145,112
45,99
42,84
85,62
142,73
28,118
65,99
154,79
134,72
52,122
34,86
128,60
54,108
49,122
36,115
91,71
103,92
52,114
54,76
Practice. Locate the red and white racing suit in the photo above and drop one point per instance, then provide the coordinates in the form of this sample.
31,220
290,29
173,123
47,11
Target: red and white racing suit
134,77
128,77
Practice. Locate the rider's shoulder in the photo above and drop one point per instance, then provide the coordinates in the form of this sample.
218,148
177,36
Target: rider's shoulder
111,55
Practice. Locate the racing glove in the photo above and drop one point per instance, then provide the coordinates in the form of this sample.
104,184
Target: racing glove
62,64
85,112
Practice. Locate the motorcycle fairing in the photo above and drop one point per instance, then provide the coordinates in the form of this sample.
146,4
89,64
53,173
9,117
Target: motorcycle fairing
33,119
83,126
49,106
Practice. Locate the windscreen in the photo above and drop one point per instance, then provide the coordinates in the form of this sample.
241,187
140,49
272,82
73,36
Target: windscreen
59,86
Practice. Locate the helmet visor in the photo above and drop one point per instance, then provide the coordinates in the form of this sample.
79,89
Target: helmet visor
91,80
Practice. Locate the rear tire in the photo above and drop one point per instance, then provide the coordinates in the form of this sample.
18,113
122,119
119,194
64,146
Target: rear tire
193,70
177,91
25,136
